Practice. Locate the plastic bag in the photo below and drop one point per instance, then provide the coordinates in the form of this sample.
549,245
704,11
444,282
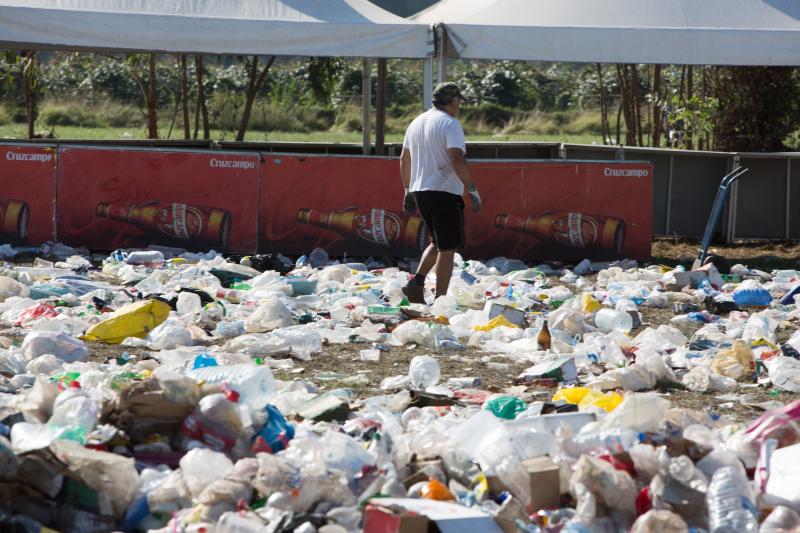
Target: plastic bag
641,412
112,477
609,486
737,362
276,433
662,521
168,335
200,467
587,398
272,314
132,320
302,341
702,379
496,322
784,372
215,422
506,407
10,287
66,348
413,332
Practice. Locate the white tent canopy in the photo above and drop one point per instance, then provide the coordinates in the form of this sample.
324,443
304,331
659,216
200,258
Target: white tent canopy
349,28
709,32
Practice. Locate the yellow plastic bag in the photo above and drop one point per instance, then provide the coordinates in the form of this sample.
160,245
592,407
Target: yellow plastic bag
589,304
132,320
607,401
496,322
585,397
572,394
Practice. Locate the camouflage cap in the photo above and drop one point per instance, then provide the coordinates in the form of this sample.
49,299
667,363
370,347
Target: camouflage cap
446,91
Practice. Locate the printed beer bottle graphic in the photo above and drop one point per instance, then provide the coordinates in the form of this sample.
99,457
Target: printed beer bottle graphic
207,226
576,230
374,228
14,215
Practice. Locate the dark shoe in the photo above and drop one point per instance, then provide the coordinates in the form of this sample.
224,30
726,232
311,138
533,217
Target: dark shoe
414,292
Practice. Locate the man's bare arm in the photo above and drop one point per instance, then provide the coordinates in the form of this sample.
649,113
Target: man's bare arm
405,168
462,171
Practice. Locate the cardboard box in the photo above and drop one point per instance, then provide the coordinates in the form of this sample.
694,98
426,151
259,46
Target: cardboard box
409,515
417,470
544,482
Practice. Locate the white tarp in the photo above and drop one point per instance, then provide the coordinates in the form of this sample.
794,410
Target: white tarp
721,32
351,28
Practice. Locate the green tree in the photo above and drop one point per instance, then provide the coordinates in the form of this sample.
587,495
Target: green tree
759,108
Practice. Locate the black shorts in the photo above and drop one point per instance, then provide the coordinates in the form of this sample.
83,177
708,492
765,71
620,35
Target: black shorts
443,213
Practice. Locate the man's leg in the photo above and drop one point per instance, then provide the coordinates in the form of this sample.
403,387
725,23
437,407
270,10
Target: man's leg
427,263
415,289
444,271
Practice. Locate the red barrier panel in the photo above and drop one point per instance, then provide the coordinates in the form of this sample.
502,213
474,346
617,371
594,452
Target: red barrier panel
532,210
112,198
27,194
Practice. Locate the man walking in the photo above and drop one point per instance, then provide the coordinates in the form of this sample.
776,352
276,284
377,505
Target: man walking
434,171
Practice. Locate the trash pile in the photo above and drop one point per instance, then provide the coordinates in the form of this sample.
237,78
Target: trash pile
139,393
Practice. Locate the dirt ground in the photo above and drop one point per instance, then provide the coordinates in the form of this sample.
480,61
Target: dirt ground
339,366
762,255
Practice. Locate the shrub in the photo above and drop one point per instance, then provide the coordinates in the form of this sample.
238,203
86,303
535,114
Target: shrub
348,118
493,115
68,114
225,110
119,115
5,118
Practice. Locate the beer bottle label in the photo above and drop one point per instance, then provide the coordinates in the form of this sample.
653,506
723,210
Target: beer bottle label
180,221
576,230
379,227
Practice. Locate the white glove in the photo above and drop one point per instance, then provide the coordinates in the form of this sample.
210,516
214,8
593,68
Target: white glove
475,198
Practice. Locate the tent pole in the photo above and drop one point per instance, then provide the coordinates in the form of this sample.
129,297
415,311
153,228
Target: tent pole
366,104
427,83
442,49
380,108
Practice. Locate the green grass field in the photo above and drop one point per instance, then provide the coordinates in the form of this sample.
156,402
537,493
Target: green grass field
66,133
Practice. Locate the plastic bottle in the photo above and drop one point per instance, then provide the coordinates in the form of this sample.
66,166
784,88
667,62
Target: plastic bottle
424,371
613,320
254,383
756,297
781,520
74,414
614,440
231,522
231,295
730,502
145,257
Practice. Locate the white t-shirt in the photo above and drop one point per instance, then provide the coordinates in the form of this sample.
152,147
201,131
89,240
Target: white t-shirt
427,139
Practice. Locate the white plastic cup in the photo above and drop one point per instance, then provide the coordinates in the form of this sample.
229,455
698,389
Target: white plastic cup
371,355
612,320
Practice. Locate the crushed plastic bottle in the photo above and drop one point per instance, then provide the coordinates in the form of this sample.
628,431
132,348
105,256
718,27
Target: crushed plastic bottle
424,372
254,384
